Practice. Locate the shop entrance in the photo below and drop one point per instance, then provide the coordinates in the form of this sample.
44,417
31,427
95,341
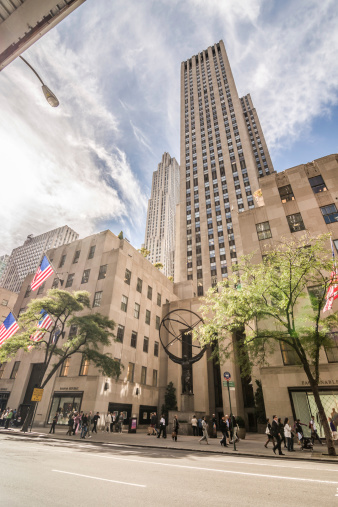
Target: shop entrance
3,400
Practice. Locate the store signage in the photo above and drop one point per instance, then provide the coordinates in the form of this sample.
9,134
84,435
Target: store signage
321,382
69,388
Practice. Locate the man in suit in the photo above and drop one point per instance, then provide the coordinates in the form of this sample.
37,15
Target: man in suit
276,434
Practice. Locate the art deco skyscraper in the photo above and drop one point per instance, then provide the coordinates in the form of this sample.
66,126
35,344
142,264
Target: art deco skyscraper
220,137
160,229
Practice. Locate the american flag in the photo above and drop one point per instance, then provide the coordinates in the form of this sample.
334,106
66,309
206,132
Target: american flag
42,273
8,328
332,292
45,323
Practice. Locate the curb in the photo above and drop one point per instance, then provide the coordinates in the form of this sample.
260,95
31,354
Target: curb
185,449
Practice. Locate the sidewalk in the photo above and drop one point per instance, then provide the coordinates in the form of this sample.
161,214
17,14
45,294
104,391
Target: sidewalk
251,446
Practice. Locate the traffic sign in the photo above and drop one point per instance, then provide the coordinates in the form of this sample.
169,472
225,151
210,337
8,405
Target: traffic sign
227,375
227,383
37,394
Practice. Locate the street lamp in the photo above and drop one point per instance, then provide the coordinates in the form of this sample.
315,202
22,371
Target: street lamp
50,97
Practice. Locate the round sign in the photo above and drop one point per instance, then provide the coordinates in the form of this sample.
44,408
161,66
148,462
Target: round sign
227,375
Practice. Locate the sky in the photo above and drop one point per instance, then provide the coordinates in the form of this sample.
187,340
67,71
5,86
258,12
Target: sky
115,68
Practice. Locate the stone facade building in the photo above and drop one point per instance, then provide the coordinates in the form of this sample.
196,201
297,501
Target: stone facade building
160,227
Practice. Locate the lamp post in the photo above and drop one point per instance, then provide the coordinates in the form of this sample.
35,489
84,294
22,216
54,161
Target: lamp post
50,97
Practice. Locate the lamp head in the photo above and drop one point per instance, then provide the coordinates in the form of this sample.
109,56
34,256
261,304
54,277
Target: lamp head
50,97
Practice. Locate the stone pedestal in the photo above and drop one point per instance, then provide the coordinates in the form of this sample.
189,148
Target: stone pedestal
187,402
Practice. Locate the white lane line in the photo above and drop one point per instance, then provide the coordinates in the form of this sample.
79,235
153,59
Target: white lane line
220,460
101,479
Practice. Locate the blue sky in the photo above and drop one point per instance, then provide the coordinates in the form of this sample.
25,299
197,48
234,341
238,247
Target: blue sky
115,67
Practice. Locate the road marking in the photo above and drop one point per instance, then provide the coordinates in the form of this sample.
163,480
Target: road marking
290,465
100,479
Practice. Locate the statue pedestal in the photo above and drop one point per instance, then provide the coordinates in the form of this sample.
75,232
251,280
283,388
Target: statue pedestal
187,402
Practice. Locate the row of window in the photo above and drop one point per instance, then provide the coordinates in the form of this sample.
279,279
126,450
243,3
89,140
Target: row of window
124,307
290,357
77,256
317,184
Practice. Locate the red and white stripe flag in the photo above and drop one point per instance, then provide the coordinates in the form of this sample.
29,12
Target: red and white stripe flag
45,323
332,291
8,328
44,271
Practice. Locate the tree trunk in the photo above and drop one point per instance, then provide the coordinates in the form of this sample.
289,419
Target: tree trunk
29,417
323,419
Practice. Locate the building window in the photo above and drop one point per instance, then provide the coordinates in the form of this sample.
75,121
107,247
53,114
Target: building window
76,257
263,230
70,279
159,299
144,375
15,369
91,252
102,272
139,285
286,193
295,222
127,277
5,301
329,213
2,369
200,290
148,315
72,331
85,276
289,355
84,366
55,283
65,367
62,260
317,184
332,350
154,378
133,340
335,241
41,288
137,311
120,333
157,323
97,299
124,303
130,373
145,344
27,293
64,404
150,293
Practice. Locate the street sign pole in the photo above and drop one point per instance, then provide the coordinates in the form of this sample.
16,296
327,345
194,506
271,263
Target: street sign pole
234,439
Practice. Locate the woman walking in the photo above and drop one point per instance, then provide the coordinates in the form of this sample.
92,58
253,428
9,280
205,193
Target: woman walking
288,435
175,428
205,431
268,434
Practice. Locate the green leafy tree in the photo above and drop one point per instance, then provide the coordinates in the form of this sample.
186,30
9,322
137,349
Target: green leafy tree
143,251
120,235
93,331
259,403
271,302
170,400
158,265
171,278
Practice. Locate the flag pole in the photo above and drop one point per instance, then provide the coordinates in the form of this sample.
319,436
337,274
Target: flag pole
56,273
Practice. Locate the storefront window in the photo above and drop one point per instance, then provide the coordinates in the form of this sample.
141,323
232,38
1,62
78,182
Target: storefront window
64,404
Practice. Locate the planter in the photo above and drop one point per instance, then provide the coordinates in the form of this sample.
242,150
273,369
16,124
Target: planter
241,433
261,428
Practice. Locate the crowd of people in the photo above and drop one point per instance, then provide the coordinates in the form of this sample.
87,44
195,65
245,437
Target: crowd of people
85,423
9,417
279,433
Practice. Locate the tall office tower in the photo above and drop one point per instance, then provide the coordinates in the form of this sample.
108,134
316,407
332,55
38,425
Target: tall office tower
25,259
218,169
160,230
3,263
258,144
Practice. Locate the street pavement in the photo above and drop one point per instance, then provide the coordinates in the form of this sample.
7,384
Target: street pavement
40,471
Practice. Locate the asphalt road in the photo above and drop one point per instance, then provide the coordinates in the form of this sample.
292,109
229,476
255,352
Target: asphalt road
61,473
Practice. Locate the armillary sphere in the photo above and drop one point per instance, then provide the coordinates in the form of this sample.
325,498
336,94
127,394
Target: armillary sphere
179,325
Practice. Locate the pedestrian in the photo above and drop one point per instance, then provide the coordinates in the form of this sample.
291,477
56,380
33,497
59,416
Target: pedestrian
214,426
269,434
55,420
276,433
77,420
205,431
200,428
112,422
120,422
334,417
194,426
176,426
84,426
224,429
281,431
95,420
108,422
333,429
162,428
70,424
314,434
288,435
299,431
233,429
89,424
2,420
9,417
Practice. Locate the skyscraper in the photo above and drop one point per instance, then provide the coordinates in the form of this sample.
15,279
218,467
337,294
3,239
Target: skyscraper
220,137
160,228
25,258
